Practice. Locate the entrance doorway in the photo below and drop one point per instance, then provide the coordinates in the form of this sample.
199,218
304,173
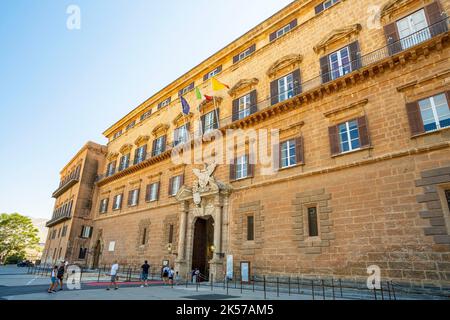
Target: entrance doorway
202,249
97,252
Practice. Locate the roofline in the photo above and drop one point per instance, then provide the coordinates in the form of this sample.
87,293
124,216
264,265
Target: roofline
87,145
217,56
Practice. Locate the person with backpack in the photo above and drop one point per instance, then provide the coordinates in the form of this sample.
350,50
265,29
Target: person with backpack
171,275
165,274
60,274
144,275
54,280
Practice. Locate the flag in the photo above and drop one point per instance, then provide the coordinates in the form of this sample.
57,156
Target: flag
185,106
217,85
208,98
198,94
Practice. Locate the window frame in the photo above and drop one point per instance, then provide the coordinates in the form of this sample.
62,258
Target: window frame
312,233
252,234
433,108
241,167
341,66
350,140
185,135
134,196
289,156
246,103
172,189
285,95
116,197
104,205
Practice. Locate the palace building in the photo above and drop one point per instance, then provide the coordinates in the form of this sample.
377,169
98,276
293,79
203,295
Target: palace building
359,92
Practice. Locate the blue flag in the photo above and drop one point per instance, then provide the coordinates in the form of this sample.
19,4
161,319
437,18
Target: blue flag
185,106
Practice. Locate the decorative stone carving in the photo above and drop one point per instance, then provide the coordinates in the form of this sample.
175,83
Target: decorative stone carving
181,116
336,35
112,156
204,183
206,103
391,6
126,148
243,84
284,62
141,140
160,129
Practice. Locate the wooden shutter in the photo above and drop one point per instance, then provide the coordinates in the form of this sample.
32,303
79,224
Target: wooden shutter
235,111
363,129
273,36
144,152
107,205
219,69
154,147
203,123
181,180
236,58
157,190
436,21
355,55
325,69
415,118
334,140
130,194
299,151
90,232
148,191
252,48
318,9
293,24
170,186
216,118
392,38
137,196
233,170
274,92
121,201
250,167
136,153
253,102
297,82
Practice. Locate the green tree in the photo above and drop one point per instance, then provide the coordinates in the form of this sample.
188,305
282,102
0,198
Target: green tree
17,233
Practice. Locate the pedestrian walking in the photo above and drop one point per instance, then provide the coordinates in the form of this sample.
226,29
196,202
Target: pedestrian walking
177,278
60,274
165,274
54,281
171,275
114,270
144,275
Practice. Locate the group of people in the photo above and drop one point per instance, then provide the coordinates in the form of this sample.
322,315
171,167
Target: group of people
169,274
57,277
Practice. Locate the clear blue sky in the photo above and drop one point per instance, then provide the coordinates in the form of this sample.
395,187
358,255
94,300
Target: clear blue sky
61,88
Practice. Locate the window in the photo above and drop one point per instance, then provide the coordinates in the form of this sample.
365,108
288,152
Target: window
117,204
210,121
64,231
186,89
144,237
340,63
312,222
82,254
140,154
325,5
171,233
286,87
59,254
413,29
349,136
86,232
152,192
250,228
159,146
164,103
124,162
117,134
111,169
241,167
282,31
288,154
244,106
435,112
447,196
59,232
131,125
244,54
133,198
146,115
104,205
181,135
212,73
54,254
175,185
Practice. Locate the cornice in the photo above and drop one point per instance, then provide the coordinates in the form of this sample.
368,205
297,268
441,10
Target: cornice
284,62
336,35
242,85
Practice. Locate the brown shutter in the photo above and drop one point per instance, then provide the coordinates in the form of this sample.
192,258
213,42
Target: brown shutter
203,123
236,58
235,115
253,102
325,69
121,201
293,24
250,167
355,55
273,36
219,69
448,99
364,137
170,186
129,197
274,92
182,180
392,38
334,140
137,197
299,150
136,156
144,152
205,77
436,21
217,118
154,147
233,170
297,82
107,205
175,136
148,192
252,48
415,118
164,143
157,190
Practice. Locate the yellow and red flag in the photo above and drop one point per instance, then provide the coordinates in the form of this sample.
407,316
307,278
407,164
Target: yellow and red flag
217,85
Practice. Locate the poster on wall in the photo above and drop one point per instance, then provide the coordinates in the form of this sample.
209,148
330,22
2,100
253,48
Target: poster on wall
112,246
245,271
230,267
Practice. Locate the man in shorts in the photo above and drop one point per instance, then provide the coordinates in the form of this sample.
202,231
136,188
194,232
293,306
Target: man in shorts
114,270
60,274
144,276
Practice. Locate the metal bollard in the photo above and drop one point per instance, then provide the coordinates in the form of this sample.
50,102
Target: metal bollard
289,284
265,288
381,287
212,279
332,288
98,278
340,285
393,290
312,287
323,290
278,288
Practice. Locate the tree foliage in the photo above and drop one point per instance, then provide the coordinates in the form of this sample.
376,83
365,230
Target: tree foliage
17,233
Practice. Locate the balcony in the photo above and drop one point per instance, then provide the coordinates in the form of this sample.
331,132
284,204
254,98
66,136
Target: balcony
365,65
66,186
56,219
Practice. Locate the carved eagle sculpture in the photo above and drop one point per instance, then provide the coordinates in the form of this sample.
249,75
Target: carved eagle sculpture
204,175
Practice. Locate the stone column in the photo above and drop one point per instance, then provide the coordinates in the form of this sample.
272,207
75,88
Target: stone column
180,263
216,264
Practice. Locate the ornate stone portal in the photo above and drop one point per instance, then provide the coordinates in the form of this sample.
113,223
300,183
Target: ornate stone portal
207,199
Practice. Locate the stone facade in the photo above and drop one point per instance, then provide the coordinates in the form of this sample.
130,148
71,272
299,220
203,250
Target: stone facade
383,204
